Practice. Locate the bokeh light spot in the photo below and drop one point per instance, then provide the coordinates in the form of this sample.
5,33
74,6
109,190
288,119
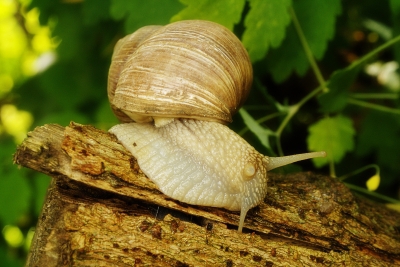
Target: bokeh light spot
13,236
32,21
7,8
15,122
6,83
28,239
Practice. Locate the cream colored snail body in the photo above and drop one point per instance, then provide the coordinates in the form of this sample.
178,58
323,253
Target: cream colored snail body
181,83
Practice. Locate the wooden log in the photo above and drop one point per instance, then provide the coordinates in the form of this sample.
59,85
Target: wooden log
101,210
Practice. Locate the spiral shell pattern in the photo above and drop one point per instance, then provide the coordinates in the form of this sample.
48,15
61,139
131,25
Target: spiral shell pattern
187,69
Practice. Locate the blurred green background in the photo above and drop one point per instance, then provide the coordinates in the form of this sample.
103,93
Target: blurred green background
54,59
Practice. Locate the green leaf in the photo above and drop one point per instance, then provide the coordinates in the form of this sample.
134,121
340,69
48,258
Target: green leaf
69,92
339,83
224,12
69,30
105,117
262,133
318,24
140,13
94,11
9,259
15,192
395,9
265,26
334,135
379,136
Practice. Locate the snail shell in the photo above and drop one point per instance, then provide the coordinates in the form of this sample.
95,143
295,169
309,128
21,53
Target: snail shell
189,77
187,69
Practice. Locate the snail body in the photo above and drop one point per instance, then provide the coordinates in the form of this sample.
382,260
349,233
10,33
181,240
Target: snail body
180,84
212,166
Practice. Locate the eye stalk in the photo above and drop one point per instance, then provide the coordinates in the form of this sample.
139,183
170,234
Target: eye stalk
275,162
249,171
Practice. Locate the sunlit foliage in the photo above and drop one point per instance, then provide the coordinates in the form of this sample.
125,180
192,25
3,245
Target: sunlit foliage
325,77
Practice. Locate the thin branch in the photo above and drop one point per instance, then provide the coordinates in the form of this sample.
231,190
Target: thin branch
373,106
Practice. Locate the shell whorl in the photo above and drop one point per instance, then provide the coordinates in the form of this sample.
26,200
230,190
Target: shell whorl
187,69
123,48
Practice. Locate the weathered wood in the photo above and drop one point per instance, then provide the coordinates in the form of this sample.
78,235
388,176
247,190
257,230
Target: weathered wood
101,211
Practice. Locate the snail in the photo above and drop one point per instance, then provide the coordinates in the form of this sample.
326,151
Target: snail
180,84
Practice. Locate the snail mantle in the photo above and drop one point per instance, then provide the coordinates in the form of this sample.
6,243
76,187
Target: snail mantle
316,221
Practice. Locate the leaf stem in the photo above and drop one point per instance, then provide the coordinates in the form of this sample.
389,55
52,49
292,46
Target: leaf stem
310,95
374,95
294,109
259,121
374,52
373,106
332,171
307,48
376,167
371,193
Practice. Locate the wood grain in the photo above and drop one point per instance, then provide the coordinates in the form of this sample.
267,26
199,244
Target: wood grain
101,210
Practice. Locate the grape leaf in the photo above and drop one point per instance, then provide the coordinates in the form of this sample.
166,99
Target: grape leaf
318,24
141,13
335,135
224,12
265,26
262,133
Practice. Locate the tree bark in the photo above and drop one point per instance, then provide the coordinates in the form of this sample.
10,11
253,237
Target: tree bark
101,210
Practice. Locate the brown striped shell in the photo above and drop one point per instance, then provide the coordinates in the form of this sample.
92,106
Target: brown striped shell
187,69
